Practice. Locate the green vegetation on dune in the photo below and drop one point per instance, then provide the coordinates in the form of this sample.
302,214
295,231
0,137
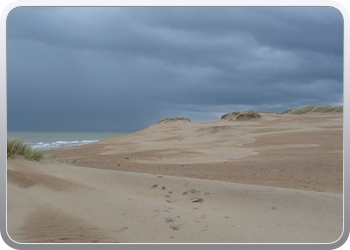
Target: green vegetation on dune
230,115
249,114
18,147
313,109
174,119
303,110
337,109
287,111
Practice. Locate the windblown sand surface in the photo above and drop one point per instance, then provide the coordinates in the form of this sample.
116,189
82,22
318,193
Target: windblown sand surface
136,188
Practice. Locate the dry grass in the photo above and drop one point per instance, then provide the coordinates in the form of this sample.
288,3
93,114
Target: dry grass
249,114
303,110
18,147
287,111
174,119
313,109
246,115
230,115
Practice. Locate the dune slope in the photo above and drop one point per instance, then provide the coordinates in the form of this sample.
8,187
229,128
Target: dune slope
53,202
292,151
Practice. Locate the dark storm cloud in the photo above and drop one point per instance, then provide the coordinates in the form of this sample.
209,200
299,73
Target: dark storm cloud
126,68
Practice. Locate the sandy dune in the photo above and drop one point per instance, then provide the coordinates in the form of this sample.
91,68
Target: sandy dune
136,188
51,202
292,151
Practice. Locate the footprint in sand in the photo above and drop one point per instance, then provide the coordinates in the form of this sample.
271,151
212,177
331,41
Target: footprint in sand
196,199
175,227
122,229
169,220
64,238
192,191
154,186
170,201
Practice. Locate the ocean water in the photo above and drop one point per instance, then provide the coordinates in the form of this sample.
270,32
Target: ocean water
53,140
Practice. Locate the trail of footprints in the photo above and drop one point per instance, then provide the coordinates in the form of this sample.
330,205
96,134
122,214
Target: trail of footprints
192,191
193,197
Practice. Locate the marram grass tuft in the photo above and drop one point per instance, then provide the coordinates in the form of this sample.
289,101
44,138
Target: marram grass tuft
18,147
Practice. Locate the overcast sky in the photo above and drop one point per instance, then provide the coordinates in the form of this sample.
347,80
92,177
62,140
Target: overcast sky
123,69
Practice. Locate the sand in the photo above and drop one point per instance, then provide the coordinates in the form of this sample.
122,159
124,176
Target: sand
274,179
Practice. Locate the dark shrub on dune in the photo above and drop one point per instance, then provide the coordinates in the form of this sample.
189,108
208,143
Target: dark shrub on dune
230,115
249,114
246,115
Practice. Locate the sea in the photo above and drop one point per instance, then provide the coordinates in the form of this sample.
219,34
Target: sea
54,140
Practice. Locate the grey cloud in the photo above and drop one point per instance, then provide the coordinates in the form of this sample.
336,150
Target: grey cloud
126,68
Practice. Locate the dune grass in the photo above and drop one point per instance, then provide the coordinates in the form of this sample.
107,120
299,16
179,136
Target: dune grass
18,147
249,114
252,114
230,115
313,109
287,111
174,119
337,109
303,110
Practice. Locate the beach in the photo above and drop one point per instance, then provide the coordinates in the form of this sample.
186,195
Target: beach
278,178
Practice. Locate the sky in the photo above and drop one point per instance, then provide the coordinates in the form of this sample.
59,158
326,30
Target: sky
125,68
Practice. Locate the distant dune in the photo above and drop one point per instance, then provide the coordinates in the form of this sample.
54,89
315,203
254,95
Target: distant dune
301,110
